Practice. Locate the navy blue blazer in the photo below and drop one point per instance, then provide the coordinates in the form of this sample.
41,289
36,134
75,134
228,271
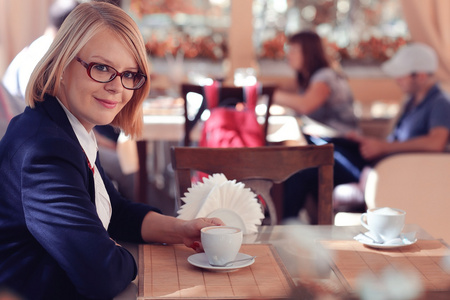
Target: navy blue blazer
52,243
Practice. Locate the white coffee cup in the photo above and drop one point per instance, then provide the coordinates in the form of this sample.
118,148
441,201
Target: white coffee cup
221,243
386,222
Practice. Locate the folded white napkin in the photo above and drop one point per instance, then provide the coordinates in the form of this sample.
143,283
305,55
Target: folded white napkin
227,199
197,194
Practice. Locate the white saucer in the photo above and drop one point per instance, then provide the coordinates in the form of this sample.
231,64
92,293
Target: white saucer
229,217
200,260
384,246
405,239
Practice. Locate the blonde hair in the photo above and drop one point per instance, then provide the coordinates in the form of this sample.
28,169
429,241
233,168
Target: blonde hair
86,20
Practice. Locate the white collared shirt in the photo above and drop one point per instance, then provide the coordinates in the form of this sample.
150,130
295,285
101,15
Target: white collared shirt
89,144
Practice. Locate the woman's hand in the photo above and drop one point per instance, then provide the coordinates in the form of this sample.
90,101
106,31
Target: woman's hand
191,231
354,136
170,230
372,148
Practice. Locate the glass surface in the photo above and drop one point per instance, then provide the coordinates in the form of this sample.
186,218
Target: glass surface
297,247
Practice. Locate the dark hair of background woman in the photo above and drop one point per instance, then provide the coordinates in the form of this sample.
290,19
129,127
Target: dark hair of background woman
313,54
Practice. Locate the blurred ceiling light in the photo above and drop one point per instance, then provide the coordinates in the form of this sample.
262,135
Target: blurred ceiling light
343,6
261,109
205,115
244,77
194,101
221,3
309,13
181,19
280,6
206,81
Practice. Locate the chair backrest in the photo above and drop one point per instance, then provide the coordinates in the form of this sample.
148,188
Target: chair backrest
228,95
259,168
418,183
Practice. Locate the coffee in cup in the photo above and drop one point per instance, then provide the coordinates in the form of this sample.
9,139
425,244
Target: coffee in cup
221,243
385,222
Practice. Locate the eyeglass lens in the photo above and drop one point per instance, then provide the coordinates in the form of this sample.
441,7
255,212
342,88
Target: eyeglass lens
104,73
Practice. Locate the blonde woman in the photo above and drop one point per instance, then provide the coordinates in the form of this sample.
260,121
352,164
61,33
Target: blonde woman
60,214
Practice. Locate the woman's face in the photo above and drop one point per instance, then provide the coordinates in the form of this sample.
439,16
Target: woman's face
94,103
295,56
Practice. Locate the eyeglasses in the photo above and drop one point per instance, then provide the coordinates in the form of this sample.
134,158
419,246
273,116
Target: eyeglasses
103,73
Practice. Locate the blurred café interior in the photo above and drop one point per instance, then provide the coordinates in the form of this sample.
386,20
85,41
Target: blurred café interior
193,40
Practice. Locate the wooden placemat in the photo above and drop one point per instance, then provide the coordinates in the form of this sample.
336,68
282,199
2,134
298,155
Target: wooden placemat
164,272
351,259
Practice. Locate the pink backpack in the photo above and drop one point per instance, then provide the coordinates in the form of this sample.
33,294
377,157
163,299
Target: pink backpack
232,127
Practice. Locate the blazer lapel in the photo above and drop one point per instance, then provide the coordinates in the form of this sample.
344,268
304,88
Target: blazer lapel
55,112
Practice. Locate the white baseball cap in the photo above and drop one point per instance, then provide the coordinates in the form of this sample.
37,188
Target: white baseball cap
411,58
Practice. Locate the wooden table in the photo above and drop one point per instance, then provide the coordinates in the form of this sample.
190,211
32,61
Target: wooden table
304,256
165,272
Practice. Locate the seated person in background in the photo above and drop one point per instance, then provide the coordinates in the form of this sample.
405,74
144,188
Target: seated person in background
320,92
60,214
18,73
423,125
9,107
424,122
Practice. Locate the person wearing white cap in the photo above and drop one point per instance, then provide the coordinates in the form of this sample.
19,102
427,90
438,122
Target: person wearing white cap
424,124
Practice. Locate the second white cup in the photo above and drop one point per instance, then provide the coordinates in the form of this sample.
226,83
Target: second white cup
387,222
221,243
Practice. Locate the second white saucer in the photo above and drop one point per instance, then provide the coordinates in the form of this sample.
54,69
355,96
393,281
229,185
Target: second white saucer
387,246
404,240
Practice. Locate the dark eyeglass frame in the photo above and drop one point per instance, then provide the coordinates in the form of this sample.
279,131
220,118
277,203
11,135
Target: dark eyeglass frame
89,66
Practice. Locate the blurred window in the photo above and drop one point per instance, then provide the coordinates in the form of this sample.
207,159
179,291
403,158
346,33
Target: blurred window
192,28
355,30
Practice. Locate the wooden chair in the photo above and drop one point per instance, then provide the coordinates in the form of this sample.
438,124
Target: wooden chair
259,168
230,95
226,94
